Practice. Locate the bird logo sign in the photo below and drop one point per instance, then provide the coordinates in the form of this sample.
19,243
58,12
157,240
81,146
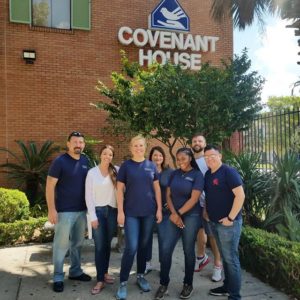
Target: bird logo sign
168,14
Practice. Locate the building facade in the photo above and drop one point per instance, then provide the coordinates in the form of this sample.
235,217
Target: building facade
53,52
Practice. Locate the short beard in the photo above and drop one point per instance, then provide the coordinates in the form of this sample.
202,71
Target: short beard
198,150
77,151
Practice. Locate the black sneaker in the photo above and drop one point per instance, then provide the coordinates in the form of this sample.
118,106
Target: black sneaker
161,292
82,277
219,291
186,291
58,286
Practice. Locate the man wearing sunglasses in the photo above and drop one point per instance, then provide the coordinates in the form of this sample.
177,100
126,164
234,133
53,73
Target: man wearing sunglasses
65,194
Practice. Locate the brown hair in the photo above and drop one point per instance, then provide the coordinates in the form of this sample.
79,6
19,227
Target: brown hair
112,171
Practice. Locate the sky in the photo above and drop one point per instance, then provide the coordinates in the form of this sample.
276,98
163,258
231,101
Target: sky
273,51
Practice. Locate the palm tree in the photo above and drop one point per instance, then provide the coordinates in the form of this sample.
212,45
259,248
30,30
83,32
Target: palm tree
243,12
29,172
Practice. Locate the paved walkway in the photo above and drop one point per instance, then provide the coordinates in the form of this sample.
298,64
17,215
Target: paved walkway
25,274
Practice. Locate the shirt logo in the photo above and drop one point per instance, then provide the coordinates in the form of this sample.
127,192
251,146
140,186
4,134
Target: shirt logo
216,181
84,167
189,179
168,14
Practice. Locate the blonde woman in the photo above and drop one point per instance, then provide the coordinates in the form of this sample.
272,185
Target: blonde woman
139,203
101,202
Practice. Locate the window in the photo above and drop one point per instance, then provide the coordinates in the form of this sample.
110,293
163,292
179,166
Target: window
51,13
62,14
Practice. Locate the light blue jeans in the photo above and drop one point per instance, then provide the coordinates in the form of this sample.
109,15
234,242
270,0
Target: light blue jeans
228,238
69,235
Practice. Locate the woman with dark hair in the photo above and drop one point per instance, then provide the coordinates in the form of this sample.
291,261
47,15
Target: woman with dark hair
158,156
183,192
100,196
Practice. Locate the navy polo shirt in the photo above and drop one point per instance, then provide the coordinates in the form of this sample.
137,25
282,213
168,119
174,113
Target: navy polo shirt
139,197
181,185
70,187
218,191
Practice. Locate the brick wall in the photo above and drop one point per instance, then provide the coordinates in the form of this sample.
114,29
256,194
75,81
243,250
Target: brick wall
50,98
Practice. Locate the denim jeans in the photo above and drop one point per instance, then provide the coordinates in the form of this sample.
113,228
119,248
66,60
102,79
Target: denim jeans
228,238
69,235
138,231
107,218
171,236
161,232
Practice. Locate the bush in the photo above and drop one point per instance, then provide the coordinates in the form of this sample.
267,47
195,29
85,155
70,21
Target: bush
24,231
272,258
13,205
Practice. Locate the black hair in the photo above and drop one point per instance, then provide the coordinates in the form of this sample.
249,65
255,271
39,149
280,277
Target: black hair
161,150
212,147
190,153
75,133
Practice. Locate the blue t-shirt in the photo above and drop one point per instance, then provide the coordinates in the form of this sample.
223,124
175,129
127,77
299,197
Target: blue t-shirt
181,185
70,187
139,197
164,177
218,192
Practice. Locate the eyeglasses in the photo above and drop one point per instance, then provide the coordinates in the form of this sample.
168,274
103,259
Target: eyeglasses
210,156
75,133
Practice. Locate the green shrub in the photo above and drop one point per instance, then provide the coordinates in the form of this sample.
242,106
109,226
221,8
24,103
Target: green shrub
24,231
13,205
272,258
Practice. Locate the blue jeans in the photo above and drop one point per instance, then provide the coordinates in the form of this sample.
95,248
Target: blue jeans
228,238
107,218
161,232
138,231
171,236
69,235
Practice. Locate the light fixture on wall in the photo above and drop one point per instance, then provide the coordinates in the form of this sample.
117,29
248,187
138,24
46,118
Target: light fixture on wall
29,56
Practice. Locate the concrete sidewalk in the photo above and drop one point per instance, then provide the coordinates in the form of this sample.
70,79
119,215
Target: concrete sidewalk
25,274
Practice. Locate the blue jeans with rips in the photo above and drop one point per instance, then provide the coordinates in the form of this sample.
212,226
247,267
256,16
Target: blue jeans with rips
172,234
69,235
138,231
228,238
103,235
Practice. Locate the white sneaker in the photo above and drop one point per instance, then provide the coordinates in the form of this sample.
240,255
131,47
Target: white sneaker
149,267
201,263
217,274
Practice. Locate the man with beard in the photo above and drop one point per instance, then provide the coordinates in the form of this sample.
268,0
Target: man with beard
202,259
65,194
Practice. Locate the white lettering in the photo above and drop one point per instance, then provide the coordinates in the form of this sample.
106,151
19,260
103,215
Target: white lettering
189,43
122,39
162,55
147,57
153,38
165,40
195,61
201,43
213,40
140,33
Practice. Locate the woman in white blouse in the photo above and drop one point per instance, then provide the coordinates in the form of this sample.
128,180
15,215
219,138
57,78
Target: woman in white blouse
100,195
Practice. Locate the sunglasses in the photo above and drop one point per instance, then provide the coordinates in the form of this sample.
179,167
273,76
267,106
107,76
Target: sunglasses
75,133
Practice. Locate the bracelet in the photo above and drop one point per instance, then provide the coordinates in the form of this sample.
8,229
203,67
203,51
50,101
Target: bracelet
231,220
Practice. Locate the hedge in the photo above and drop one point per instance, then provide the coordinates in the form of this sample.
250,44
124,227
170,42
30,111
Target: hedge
13,205
271,258
31,230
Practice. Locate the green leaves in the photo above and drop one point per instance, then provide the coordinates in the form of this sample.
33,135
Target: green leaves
29,170
167,103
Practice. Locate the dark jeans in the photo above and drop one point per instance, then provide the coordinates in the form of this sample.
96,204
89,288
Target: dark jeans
171,236
228,238
161,232
107,218
138,231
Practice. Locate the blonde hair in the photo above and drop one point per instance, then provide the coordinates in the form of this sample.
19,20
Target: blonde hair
137,138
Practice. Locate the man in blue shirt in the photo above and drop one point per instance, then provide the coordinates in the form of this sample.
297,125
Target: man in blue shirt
224,201
65,194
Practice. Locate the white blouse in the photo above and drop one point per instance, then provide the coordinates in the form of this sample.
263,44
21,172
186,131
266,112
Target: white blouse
99,191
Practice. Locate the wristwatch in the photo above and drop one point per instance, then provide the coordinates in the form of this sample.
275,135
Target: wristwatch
231,220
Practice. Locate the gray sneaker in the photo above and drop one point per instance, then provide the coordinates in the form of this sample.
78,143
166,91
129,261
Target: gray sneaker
186,291
122,291
161,292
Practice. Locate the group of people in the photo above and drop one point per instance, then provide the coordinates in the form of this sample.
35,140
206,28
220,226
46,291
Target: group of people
202,196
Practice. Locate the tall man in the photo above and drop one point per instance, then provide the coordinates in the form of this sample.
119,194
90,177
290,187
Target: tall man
202,259
65,194
224,200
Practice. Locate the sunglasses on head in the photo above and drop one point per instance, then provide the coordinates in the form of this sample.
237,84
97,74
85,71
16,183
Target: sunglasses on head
75,133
